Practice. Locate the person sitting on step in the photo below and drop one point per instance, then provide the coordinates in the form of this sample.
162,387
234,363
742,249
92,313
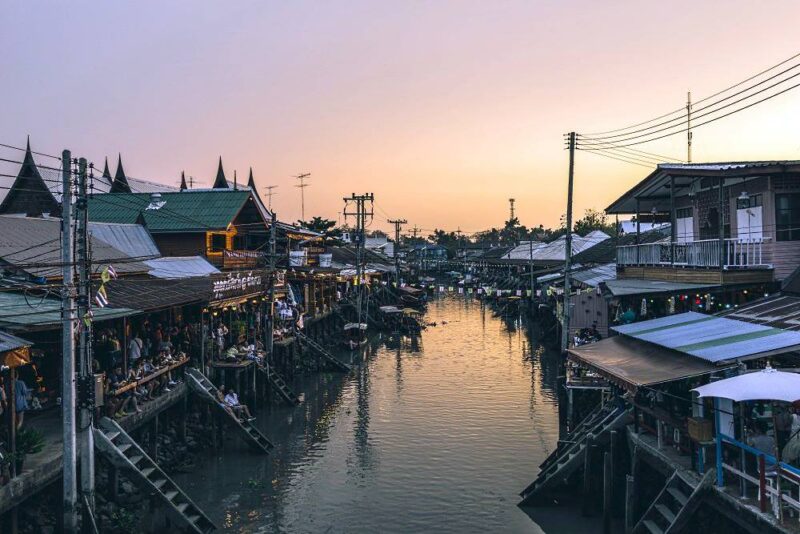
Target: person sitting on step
232,400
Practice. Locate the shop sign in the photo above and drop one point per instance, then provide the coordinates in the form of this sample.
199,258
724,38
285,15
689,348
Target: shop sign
235,284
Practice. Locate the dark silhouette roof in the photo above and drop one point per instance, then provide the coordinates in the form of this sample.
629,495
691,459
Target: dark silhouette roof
120,184
250,182
606,251
183,181
220,182
29,194
107,173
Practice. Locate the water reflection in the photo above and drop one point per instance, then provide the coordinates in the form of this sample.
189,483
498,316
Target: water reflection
434,433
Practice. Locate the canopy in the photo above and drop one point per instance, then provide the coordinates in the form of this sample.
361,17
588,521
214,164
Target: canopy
768,384
631,363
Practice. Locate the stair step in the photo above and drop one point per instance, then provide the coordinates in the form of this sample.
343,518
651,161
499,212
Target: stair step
182,507
147,471
124,447
193,518
171,495
112,435
666,512
160,482
678,495
652,527
136,459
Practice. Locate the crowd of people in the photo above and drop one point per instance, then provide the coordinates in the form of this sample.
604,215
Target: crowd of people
151,348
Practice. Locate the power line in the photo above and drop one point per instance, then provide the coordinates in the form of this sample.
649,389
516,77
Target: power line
682,109
628,136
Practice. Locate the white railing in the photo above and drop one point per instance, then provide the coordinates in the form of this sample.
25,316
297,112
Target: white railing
706,253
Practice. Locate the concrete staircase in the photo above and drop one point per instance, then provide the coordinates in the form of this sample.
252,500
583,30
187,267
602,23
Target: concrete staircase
279,384
672,507
123,452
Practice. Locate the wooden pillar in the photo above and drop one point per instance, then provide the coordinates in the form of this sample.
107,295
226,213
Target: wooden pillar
607,489
183,413
154,439
630,522
125,343
12,418
588,458
672,220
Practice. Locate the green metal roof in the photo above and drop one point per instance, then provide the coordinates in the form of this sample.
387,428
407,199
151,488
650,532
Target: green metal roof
189,210
19,312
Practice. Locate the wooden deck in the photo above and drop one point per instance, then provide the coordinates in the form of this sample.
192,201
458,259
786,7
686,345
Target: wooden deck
44,468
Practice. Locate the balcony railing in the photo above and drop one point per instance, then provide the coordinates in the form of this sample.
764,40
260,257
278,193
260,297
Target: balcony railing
242,259
706,253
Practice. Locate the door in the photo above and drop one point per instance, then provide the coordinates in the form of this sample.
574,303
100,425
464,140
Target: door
750,219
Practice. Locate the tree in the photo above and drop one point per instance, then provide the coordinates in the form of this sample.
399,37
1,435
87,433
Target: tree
593,220
326,227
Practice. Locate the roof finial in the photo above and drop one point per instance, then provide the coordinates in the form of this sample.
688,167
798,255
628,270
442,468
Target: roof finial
250,182
28,146
220,182
235,185
120,184
183,182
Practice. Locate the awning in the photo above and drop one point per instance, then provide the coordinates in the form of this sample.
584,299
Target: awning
714,339
19,312
634,286
631,364
14,351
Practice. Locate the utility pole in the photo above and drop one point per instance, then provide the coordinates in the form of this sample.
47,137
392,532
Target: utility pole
568,248
511,202
302,185
273,276
397,223
415,231
68,316
361,215
85,381
269,189
689,127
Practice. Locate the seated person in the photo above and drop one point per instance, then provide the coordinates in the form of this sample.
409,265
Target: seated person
232,400
221,400
125,402
157,384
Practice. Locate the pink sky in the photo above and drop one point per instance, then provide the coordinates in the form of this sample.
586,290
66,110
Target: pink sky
443,109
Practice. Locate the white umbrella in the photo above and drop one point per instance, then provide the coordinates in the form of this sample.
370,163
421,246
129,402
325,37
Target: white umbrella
767,384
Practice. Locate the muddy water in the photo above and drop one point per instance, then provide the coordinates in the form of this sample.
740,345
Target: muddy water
437,434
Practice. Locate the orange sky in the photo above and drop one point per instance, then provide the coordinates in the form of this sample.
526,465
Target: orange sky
443,109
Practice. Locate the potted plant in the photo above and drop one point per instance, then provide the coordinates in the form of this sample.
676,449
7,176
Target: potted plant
29,441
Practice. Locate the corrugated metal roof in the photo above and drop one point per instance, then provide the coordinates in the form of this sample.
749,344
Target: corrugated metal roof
189,210
21,313
635,286
180,267
592,277
780,311
132,239
714,339
31,244
555,250
724,166
9,342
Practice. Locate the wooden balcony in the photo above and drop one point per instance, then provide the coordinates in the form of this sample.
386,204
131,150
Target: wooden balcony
706,261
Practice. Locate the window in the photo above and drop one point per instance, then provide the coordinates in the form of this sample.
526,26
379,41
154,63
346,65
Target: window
787,216
217,242
753,201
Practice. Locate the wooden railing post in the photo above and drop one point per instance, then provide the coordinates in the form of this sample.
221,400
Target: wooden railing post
762,483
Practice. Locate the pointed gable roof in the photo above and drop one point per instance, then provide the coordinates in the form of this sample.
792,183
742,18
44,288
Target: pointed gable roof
250,182
183,181
107,173
220,182
120,184
29,194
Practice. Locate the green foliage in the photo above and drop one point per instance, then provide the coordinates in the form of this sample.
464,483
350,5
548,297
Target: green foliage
29,441
593,220
330,234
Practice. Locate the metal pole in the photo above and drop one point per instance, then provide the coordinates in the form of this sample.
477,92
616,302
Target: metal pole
68,316
568,247
688,127
85,434
273,276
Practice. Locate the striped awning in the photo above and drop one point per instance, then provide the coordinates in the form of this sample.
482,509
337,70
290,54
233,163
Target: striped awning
714,339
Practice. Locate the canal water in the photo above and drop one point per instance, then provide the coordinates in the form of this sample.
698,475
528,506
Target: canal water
437,434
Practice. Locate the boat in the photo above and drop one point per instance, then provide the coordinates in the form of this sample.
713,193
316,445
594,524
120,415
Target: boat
413,297
355,335
410,322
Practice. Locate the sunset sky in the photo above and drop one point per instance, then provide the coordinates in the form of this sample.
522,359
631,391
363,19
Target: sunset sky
443,109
